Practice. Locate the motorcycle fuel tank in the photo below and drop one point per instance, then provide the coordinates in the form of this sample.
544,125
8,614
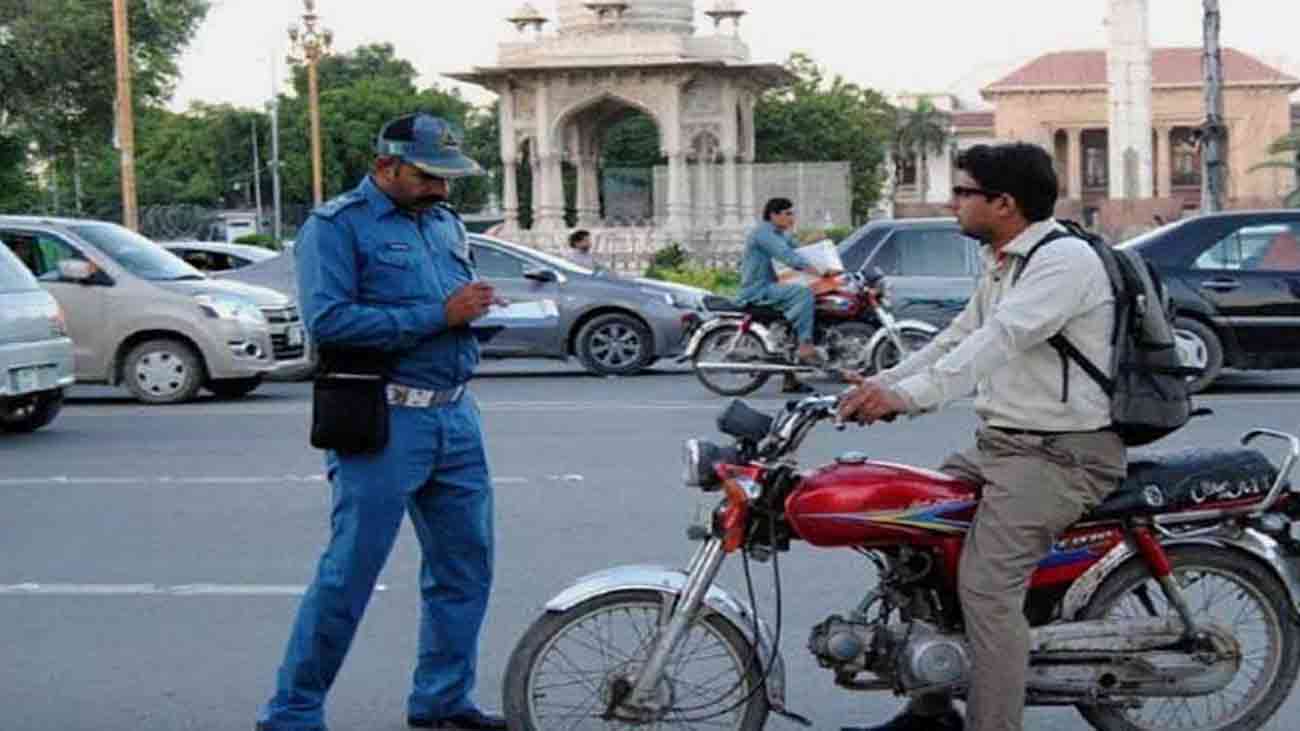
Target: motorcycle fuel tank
856,502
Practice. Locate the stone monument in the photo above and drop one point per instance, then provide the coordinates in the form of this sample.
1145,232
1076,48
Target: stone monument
1128,69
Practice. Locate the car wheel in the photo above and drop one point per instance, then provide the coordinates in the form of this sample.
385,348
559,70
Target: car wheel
163,372
614,345
232,388
34,413
1198,347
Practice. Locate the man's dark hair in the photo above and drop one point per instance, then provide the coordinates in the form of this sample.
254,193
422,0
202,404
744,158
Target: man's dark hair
577,236
1019,169
776,205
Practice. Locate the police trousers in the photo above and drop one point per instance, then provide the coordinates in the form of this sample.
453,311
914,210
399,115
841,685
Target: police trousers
1034,487
434,469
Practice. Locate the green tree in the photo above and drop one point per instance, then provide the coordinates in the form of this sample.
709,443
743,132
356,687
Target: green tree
920,132
57,71
820,119
1285,145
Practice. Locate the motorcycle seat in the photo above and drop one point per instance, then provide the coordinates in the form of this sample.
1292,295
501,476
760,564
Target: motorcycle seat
1197,478
761,313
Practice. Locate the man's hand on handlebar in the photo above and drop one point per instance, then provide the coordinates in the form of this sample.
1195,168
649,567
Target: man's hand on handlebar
870,401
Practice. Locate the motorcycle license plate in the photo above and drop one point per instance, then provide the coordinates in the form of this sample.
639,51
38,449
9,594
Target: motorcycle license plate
25,380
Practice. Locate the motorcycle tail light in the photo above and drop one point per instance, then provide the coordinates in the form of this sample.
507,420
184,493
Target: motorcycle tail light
734,519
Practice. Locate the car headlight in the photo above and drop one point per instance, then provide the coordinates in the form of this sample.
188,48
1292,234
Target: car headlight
227,307
660,295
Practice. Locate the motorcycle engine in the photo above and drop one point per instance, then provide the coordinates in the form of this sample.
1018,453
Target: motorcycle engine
930,659
916,655
843,645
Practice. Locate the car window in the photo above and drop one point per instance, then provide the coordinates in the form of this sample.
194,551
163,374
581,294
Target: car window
497,264
855,247
925,253
41,252
15,275
1267,247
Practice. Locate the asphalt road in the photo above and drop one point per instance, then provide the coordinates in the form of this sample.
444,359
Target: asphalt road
151,558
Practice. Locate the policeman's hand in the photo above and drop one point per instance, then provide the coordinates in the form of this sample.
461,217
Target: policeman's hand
469,303
870,402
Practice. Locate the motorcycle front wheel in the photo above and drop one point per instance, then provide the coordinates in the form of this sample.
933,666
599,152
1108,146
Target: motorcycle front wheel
1225,588
713,349
566,668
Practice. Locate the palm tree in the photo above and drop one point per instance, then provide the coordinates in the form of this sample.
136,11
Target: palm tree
1287,144
922,131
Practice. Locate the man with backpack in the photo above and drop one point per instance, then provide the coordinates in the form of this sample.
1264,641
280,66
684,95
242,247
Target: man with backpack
1046,450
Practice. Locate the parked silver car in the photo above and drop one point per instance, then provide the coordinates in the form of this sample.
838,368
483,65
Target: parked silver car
141,317
35,350
612,325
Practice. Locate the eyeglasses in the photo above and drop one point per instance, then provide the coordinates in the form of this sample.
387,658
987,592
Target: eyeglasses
961,191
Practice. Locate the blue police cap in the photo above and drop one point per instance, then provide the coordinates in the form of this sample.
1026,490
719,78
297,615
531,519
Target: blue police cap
427,142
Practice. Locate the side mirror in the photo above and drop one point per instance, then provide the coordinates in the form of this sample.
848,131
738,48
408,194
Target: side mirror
542,275
76,270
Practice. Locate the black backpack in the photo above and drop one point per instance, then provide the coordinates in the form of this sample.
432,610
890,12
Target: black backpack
1146,382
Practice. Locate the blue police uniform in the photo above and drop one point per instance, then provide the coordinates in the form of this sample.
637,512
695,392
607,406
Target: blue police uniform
759,283
374,276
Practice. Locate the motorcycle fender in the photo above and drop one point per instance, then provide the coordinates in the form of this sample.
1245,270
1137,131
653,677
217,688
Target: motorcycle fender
882,335
704,330
1248,541
670,582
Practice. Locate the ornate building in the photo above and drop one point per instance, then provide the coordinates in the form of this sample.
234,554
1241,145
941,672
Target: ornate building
561,90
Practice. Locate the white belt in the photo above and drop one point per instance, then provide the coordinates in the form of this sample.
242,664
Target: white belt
420,398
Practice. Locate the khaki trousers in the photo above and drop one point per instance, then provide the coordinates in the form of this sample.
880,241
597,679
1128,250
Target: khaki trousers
1034,487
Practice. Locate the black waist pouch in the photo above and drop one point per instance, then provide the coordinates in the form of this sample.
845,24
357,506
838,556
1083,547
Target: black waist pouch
349,402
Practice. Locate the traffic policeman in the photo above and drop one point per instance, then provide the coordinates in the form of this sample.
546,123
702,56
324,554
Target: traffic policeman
386,267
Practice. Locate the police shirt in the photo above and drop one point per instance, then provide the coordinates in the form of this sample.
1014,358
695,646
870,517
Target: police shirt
371,275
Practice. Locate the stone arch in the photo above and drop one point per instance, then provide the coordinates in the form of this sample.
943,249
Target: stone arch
606,104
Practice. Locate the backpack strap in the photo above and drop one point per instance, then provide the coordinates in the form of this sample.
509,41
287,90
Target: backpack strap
1058,341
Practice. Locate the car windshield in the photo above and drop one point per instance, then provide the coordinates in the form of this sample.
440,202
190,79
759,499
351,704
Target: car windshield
135,253
1141,239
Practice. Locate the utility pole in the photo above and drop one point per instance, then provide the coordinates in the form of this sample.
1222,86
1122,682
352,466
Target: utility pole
125,120
1213,132
274,108
257,179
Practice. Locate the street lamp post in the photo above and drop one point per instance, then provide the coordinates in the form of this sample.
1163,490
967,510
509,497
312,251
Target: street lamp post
308,44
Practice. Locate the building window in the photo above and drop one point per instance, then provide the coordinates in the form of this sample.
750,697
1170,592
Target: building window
1184,158
1095,159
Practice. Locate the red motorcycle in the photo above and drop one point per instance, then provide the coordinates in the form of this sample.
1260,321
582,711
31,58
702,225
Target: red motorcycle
742,346
1172,604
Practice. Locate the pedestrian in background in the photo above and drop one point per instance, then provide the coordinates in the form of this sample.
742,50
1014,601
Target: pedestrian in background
385,269
580,249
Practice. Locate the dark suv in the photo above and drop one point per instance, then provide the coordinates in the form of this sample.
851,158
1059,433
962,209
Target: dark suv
930,265
1235,281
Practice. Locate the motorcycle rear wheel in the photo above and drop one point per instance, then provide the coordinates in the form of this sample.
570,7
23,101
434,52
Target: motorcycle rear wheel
561,673
1227,588
749,348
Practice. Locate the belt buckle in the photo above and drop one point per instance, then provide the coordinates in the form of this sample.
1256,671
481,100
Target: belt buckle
420,398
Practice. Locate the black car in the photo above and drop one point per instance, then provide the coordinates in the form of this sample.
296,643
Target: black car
930,266
1235,281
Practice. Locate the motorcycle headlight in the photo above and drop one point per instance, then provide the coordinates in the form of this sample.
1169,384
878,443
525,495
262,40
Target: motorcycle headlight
227,307
699,463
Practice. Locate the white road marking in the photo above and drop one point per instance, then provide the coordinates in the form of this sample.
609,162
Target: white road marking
36,589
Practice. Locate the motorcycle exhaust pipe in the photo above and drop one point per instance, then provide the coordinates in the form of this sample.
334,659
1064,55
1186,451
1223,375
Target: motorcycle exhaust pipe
757,368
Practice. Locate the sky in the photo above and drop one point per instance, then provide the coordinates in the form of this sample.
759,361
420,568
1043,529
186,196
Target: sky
927,46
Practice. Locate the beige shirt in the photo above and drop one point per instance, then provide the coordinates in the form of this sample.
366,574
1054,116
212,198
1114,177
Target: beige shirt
997,347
